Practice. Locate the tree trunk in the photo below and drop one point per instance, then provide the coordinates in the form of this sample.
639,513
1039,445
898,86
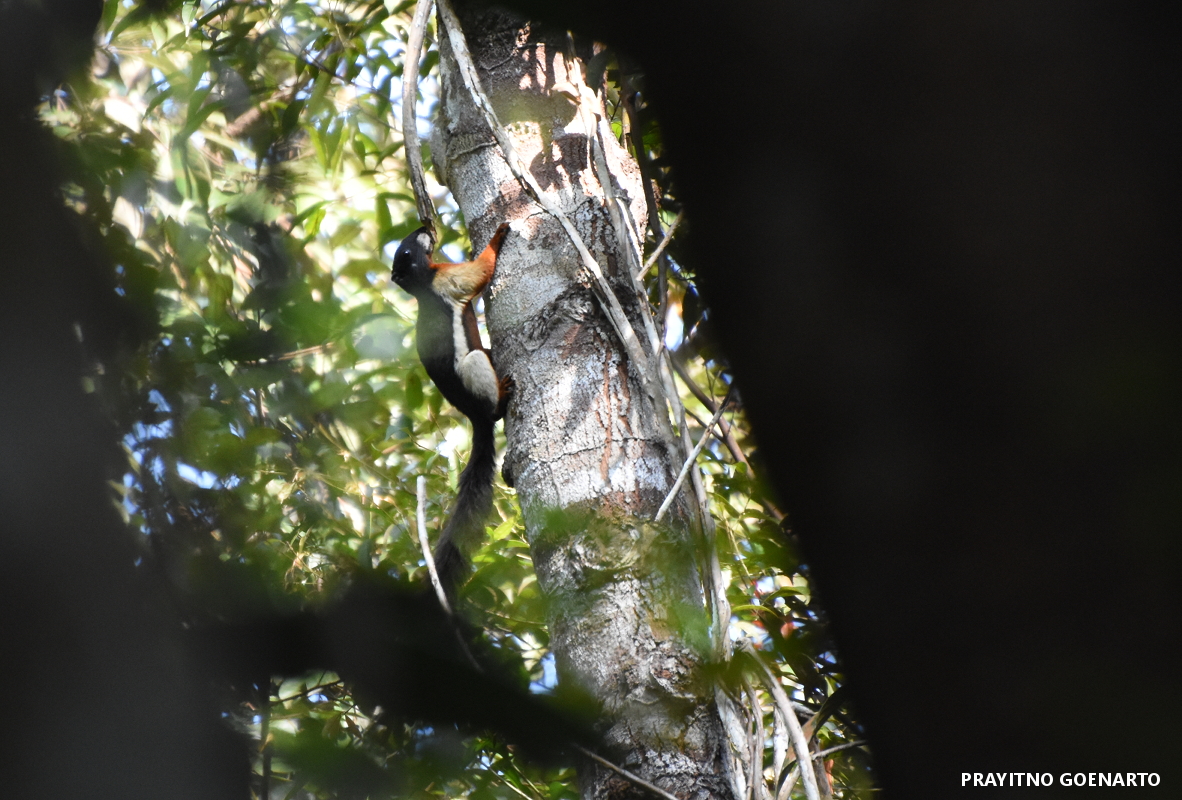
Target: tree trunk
590,453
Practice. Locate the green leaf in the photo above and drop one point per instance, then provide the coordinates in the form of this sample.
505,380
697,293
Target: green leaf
414,391
382,217
110,10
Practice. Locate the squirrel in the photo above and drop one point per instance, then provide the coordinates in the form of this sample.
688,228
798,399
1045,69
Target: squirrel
456,360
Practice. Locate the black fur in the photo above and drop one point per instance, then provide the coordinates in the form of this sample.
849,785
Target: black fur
474,502
435,334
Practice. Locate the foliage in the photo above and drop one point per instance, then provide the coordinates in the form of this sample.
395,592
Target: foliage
242,165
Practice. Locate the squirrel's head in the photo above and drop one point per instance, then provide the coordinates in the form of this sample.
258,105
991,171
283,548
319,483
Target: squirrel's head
412,261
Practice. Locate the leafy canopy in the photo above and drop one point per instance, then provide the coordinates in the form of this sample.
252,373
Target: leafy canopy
243,167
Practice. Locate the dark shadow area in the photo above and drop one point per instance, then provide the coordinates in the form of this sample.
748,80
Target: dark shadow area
940,243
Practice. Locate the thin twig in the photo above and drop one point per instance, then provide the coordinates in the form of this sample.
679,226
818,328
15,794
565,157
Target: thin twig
720,613
726,430
655,254
587,104
730,713
799,743
711,569
780,742
793,775
429,557
639,781
603,291
292,354
789,783
309,690
265,745
410,131
654,218
627,238
689,462
831,750
421,518
754,744
519,791
728,436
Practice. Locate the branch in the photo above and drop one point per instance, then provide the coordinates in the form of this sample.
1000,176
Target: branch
309,690
790,781
780,743
689,462
728,437
712,571
799,743
726,429
636,779
629,95
754,744
421,519
603,291
831,750
654,255
410,130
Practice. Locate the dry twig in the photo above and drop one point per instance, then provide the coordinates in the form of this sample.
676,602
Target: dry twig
799,743
655,254
636,779
689,462
421,519
410,131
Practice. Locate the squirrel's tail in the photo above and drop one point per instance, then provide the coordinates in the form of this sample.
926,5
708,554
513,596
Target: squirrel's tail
474,501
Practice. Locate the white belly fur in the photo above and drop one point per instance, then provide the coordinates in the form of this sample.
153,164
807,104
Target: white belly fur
477,374
475,370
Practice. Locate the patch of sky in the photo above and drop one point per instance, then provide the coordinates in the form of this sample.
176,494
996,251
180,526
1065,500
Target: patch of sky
549,678
383,72
140,433
197,477
288,25
456,437
157,398
128,483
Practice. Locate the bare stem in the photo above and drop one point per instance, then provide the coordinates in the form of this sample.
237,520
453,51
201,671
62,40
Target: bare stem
655,254
784,706
636,779
421,519
831,750
689,462
410,130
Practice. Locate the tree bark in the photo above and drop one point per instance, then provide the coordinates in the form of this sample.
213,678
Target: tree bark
590,453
